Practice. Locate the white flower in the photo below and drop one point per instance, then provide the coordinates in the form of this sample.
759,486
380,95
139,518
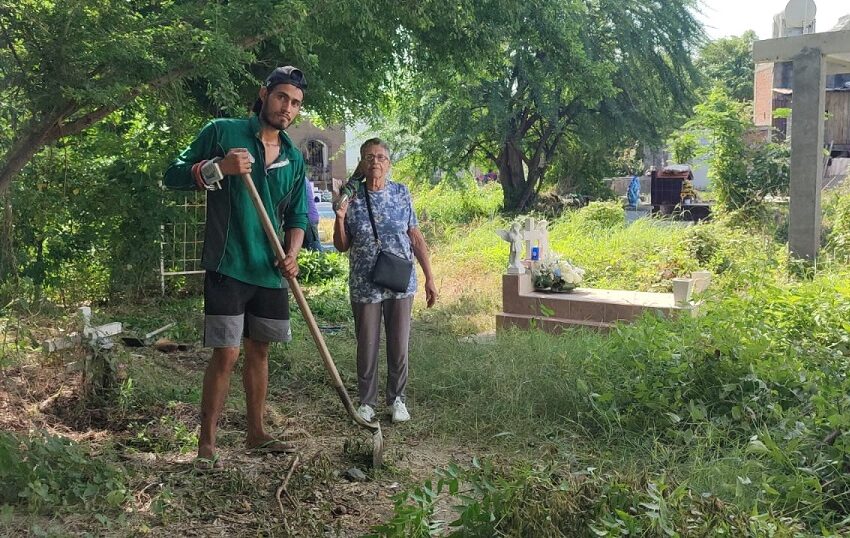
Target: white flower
556,272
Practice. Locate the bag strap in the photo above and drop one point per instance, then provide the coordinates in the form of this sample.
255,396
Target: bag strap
372,217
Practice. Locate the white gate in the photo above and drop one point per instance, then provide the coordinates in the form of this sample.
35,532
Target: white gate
182,241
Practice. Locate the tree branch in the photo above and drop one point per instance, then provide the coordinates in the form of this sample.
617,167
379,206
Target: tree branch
530,121
52,127
14,53
26,146
84,122
480,145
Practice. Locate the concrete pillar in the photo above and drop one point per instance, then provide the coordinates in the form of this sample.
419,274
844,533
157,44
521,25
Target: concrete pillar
808,108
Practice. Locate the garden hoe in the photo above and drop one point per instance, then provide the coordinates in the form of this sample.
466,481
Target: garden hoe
374,427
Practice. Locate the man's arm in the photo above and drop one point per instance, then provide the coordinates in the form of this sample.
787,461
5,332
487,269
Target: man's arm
295,215
179,174
295,222
292,240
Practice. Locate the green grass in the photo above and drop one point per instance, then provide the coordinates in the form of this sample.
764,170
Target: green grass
733,406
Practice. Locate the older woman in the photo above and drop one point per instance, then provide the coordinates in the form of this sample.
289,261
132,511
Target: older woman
398,230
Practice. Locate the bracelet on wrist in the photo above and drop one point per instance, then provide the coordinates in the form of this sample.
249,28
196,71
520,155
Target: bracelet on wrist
196,175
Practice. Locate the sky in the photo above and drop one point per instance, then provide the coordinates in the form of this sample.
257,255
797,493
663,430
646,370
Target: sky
734,17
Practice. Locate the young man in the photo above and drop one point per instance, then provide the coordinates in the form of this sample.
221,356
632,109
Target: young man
244,294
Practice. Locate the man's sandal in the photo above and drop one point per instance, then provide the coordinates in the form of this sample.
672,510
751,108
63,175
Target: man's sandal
208,464
273,446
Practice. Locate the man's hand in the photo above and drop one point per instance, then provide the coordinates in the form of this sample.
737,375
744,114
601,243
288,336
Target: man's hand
290,267
236,162
430,293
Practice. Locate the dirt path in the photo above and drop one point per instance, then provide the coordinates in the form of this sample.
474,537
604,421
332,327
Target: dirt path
170,497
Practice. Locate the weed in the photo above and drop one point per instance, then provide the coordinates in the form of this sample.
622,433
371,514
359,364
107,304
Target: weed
44,472
329,300
554,500
320,267
165,434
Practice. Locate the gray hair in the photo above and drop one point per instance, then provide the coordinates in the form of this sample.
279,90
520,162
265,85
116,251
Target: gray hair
374,142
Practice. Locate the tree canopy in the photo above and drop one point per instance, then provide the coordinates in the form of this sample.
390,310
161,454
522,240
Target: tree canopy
729,61
67,64
556,73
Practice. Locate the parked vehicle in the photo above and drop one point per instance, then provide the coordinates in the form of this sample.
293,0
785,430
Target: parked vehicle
326,224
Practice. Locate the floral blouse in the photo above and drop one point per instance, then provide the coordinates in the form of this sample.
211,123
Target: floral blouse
394,216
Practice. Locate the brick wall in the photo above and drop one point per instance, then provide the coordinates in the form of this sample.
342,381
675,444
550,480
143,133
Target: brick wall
763,98
333,137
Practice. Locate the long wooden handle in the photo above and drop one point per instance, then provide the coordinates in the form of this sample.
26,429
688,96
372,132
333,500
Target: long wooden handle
271,234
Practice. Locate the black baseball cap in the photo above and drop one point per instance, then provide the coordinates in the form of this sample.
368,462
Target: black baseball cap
286,75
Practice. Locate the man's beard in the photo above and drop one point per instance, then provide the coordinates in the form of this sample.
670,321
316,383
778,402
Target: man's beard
269,120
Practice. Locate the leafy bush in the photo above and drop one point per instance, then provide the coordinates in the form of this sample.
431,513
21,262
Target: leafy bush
742,168
449,203
837,214
602,214
92,226
684,146
44,472
703,242
329,301
738,256
319,267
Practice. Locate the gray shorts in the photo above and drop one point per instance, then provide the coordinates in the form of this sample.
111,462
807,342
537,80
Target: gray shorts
233,309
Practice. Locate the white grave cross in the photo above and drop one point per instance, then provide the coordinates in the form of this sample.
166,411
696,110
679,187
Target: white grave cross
535,233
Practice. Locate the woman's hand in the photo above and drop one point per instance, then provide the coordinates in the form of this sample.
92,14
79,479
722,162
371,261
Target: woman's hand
430,293
342,209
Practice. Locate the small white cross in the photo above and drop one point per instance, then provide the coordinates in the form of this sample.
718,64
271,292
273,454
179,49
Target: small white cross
535,233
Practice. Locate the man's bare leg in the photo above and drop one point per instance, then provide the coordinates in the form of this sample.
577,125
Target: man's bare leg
255,379
216,384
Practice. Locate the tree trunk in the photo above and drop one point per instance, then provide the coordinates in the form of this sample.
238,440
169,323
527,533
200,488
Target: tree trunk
519,190
512,176
8,259
529,193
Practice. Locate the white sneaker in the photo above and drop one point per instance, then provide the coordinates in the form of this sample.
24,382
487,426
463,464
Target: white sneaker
399,411
366,412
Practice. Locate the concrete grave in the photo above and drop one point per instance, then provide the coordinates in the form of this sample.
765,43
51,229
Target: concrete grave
525,308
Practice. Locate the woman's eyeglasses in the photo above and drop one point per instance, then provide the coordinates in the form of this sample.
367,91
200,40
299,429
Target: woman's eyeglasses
380,158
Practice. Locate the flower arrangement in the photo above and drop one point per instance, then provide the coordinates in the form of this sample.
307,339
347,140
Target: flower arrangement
556,274
688,194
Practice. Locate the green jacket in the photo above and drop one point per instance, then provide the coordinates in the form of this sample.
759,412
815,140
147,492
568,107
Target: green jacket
234,242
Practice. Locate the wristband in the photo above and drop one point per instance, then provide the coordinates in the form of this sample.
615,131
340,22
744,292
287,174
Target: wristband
211,175
196,175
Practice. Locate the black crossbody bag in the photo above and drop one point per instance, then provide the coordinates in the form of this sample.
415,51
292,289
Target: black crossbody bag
390,271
